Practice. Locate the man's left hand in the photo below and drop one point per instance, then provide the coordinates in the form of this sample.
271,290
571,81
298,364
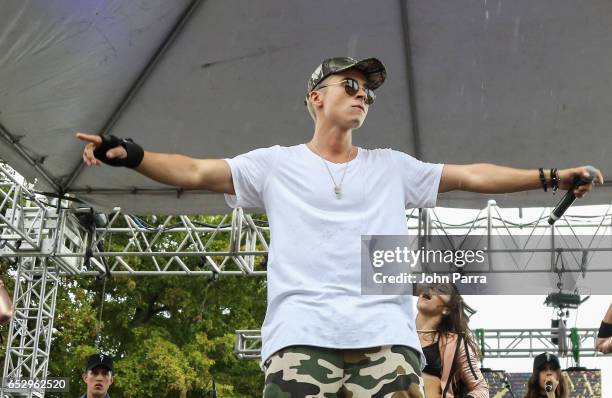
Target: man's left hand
567,177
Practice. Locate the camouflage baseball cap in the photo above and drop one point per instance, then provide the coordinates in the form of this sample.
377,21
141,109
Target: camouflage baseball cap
371,67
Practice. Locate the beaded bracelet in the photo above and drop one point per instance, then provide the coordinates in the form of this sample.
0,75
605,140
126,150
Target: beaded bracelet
554,180
542,179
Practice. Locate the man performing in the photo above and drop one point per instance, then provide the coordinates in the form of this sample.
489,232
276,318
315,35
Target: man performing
321,335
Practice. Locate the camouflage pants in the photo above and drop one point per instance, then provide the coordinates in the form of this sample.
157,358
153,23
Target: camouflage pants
381,372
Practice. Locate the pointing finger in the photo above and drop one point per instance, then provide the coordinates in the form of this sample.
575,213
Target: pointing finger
95,139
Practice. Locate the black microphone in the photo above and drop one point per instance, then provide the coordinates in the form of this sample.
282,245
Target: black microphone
569,196
508,386
549,386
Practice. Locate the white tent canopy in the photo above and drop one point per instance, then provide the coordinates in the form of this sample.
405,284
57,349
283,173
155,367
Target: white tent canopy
518,83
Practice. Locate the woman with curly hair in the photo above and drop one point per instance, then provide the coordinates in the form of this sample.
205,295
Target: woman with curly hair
452,355
547,380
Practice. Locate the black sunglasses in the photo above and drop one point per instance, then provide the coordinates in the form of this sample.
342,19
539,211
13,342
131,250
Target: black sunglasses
436,288
351,86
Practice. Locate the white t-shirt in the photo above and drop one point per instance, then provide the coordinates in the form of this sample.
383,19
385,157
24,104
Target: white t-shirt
314,259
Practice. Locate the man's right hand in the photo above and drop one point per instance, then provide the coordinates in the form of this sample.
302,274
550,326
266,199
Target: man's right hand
93,142
170,169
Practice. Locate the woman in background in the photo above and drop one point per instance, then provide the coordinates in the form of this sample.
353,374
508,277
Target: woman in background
547,381
452,355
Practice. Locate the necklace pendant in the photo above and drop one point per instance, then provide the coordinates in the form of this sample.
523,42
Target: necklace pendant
338,192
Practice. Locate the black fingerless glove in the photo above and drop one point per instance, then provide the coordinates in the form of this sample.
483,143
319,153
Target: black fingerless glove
135,153
605,330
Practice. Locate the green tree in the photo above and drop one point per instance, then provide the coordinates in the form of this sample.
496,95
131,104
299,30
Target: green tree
169,335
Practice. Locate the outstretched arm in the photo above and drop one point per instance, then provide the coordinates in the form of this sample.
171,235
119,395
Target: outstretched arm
608,317
604,337
491,178
171,169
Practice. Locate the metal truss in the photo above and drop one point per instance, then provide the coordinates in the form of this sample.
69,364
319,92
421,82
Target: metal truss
182,245
521,240
524,343
31,328
498,343
29,225
248,344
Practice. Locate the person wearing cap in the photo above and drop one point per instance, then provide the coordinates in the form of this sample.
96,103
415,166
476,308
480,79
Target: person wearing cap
98,376
320,334
604,336
547,380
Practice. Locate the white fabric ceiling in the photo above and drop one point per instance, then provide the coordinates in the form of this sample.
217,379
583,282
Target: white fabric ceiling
518,83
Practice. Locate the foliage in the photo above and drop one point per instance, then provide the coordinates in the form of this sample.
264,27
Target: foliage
170,336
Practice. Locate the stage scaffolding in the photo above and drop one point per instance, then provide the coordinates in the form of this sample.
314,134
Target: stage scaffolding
496,343
47,238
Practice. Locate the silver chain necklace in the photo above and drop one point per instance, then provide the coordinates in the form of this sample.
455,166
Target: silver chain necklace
337,187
